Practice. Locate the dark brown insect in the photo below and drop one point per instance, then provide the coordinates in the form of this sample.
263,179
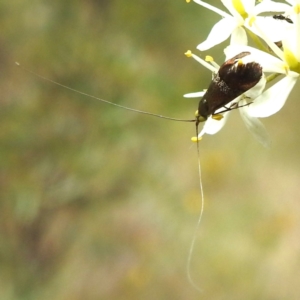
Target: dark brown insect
281,17
232,80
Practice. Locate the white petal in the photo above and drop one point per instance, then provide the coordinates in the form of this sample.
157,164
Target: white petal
269,42
274,29
248,5
229,5
239,37
297,36
219,33
194,95
255,126
273,99
291,41
212,126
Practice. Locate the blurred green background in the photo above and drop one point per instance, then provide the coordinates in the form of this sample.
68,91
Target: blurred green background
101,203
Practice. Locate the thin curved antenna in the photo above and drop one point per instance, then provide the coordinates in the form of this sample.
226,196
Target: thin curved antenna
103,100
192,246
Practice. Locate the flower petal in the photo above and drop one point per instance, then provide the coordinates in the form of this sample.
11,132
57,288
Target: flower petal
194,95
212,126
273,99
249,5
239,37
297,19
255,126
269,62
219,33
229,5
274,29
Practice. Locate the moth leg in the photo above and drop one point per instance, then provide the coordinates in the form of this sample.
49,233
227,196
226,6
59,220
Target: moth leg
231,107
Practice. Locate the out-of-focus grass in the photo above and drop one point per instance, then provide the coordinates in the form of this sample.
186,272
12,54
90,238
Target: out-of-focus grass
100,203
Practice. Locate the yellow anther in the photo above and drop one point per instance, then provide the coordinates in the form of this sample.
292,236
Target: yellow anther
297,9
188,1
196,139
217,117
251,21
188,53
240,62
209,58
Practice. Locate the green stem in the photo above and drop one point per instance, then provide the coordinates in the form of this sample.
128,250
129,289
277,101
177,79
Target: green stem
260,45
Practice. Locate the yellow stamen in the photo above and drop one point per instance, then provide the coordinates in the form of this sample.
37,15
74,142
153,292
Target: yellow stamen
251,21
217,117
196,139
188,53
188,1
209,58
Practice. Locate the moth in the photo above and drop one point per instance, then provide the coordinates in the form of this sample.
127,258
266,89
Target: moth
232,80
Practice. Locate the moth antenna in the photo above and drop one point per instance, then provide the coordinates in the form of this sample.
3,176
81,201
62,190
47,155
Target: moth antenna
192,246
103,100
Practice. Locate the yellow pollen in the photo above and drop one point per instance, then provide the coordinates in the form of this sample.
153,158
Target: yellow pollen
217,117
196,139
188,53
188,1
209,58
297,9
240,62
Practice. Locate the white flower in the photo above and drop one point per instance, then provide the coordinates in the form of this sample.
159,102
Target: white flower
287,63
241,20
241,12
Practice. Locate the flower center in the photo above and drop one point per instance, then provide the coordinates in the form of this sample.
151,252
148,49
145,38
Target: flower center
239,7
291,60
